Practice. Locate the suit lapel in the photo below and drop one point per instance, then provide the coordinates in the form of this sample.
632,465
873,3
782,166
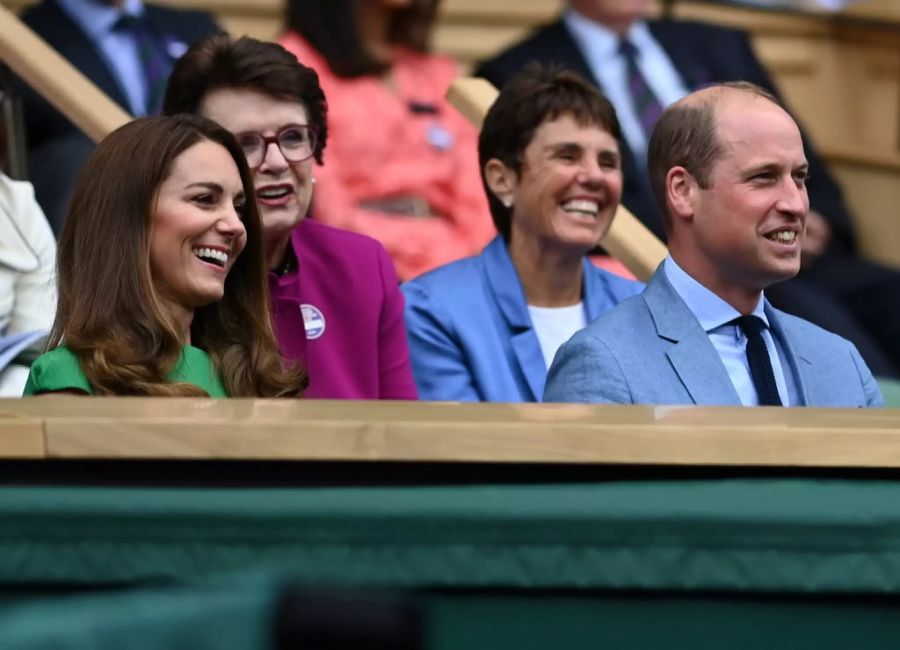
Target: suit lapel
73,44
562,49
510,300
684,54
691,354
799,359
596,298
173,46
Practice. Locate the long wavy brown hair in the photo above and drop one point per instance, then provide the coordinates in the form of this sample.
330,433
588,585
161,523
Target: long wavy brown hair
109,312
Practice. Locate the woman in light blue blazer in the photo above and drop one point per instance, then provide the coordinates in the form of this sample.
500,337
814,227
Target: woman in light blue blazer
486,328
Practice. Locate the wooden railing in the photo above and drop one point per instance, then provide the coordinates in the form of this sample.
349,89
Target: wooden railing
57,80
68,427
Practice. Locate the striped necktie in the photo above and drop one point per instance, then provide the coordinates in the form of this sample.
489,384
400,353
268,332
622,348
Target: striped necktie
646,105
154,61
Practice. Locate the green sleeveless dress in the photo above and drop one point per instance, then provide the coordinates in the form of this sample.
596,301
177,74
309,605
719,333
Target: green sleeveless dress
59,370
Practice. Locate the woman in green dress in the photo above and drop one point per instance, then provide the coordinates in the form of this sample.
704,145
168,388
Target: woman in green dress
162,287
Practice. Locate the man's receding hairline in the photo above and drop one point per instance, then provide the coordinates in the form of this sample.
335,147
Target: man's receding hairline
714,96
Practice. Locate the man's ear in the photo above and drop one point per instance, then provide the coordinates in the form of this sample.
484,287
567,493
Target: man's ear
501,180
681,189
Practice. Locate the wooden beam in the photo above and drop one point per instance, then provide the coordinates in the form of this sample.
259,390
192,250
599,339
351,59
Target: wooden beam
21,436
57,80
628,240
156,428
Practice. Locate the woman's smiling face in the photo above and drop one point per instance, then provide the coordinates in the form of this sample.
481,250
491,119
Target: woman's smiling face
569,186
283,188
196,231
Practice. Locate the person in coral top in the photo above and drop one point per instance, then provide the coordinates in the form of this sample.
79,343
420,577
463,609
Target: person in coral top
402,163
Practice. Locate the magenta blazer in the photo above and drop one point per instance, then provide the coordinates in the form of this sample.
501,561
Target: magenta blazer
341,314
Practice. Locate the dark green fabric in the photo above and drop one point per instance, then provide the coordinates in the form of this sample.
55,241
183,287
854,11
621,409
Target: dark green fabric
661,622
890,389
228,617
241,616
741,535
59,370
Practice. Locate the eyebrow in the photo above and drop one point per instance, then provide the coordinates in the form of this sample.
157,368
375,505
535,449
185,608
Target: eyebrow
289,125
215,187
557,146
771,166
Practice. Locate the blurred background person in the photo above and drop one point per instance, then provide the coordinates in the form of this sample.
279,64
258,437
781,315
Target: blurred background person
486,328
127,49
402,166
178,308
27,280
645,65
335,300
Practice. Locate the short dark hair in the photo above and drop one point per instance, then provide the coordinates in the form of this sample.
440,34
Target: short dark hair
219,61
536,95
686,135
325,26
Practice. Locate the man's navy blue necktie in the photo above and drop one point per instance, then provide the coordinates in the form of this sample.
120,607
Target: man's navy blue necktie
155,63
646,105
758,358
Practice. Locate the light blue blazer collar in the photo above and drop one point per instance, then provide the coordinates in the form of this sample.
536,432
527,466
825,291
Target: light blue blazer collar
696,361
800,358
506,290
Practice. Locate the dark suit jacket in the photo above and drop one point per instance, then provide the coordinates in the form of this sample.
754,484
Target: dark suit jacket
703,54
42,121
56,148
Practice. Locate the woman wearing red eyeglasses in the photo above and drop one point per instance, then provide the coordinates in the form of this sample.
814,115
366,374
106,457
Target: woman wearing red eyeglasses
335,302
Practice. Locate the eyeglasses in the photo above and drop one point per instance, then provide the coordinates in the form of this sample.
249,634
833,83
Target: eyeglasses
296,142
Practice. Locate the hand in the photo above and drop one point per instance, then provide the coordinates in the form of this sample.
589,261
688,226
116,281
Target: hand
815,239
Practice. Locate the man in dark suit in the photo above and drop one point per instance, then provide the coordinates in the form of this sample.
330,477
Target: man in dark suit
645,65
127,49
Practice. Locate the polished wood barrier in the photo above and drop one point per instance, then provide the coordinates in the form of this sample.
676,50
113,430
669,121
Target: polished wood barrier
135,428
21,436
56,79
628,240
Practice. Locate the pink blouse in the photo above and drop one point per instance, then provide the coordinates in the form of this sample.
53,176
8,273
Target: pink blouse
387,146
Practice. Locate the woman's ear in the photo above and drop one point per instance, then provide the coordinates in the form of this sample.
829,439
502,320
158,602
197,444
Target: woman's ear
501,180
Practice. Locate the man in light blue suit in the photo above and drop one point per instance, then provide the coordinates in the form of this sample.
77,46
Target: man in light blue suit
728,170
